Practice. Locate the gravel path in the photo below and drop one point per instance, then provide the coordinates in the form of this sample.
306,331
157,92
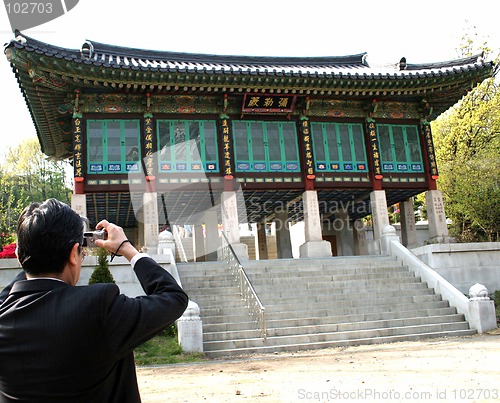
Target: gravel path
465,369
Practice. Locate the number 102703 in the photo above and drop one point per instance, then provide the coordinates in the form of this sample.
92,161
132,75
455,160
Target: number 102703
29,8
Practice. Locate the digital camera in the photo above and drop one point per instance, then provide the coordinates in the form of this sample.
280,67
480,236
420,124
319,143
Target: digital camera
90,237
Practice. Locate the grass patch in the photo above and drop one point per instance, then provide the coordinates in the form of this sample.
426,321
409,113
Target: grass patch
164,349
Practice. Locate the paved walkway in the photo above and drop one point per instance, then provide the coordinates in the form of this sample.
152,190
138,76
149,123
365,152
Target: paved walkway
465,369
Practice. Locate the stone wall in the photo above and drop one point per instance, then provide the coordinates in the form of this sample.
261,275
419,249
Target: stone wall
120,269
464,264
422,232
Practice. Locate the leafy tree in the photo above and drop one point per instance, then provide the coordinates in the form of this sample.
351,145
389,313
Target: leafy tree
11,206
36,175
101,273
26,176
467,143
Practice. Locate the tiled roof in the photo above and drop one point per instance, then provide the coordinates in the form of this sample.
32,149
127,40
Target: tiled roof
352,66
49,75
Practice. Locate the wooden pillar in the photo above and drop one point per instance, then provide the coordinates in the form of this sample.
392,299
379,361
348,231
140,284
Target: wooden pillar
150,214
78,152
149,144
429,156
307,153
374,155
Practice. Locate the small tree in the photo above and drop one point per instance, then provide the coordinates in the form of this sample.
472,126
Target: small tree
101,273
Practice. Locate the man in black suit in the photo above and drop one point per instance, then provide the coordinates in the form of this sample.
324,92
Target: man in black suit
61,343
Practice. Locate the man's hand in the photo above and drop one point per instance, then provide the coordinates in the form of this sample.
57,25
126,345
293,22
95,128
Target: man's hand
116,237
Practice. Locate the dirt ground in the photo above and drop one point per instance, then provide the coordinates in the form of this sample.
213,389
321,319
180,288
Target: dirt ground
462,369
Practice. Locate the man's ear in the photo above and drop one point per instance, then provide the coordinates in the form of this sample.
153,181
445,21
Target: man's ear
74,256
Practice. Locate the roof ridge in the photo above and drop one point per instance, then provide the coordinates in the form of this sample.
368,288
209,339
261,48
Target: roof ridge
478,58
185,57
90,48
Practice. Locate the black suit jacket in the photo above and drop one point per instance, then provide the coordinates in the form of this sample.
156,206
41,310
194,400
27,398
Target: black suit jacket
60,343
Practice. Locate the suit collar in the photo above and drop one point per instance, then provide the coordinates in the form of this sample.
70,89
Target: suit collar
37,285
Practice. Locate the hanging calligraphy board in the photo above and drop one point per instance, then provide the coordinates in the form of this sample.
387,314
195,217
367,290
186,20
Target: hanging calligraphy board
268,103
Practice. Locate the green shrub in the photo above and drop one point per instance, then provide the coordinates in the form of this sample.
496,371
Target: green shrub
101,273
164,349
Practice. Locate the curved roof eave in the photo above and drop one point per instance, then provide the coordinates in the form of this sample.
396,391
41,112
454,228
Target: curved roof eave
354,67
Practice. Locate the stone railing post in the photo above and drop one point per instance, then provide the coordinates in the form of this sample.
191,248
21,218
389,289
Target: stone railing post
389,234
482,315
166,244
189,329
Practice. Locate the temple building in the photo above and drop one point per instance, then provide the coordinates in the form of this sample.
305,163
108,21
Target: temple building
160,138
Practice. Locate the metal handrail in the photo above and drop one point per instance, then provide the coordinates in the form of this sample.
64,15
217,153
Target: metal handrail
178,243
247,291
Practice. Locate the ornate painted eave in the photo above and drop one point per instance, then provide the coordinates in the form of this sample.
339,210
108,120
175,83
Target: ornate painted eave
49,76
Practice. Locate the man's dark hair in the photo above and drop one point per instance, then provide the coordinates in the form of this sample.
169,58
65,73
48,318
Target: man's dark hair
46,233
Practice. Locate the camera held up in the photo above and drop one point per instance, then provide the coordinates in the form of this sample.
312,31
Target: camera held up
90,237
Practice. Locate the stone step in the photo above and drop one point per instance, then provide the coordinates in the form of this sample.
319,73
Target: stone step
294,265
270,297
364,281
350,310
315,303
366,301
312,303
223,314
290,277
269,294
334,336
399,283
297,266
308,269
330,262
327,277
332,327
223,325
360,340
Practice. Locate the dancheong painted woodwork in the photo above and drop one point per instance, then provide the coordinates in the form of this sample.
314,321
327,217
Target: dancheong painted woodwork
272,126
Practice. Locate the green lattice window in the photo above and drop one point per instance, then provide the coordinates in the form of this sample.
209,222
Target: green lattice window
187,146
339,147
266,146
400,149
113,146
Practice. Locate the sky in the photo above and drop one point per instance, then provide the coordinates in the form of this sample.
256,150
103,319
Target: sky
422,31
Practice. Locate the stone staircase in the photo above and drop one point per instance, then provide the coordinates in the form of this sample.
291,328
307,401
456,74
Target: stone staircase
317,303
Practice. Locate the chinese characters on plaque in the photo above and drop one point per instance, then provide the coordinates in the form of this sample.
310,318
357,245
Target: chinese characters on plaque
306,137
77,148
374,147
227,147
267,103
429,145
148,145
